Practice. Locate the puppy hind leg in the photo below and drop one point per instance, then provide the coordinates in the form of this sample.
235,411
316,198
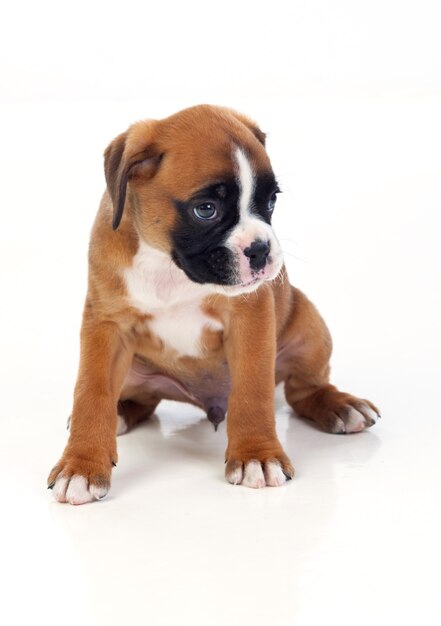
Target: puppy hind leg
335,411
306,374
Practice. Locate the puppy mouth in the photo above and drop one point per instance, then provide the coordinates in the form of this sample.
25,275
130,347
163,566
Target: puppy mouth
223,270
257,279
250,282
244,287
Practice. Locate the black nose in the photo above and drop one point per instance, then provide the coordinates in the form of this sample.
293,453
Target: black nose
257,253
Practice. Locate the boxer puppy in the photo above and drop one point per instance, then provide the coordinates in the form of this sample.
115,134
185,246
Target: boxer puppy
188,299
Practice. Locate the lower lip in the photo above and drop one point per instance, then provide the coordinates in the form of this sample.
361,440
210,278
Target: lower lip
240,286
252,282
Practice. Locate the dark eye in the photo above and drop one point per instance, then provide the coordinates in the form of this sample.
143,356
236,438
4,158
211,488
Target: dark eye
272,203
205,211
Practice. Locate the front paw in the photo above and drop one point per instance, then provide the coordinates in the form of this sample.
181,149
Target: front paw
257,470
81,476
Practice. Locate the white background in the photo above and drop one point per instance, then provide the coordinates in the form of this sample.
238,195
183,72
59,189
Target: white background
349,93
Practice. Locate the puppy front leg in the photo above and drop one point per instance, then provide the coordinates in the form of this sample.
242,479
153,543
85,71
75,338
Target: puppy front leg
254,456
83,472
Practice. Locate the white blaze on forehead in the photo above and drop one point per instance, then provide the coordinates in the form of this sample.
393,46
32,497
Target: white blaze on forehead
245,177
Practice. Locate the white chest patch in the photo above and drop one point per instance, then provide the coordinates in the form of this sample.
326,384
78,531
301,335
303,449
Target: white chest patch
157,287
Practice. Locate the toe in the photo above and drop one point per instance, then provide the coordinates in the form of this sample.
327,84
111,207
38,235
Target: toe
257,473
338,426
234,472
78,491
59,489
355,421
371,415
274,475
98,491
254,476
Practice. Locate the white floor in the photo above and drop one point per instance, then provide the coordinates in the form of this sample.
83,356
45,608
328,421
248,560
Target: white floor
355,538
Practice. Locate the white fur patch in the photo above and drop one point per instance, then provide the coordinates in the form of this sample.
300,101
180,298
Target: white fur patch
355,421
180,327
235,476
370,413
156,286
339,426
59,489
76,490
256,474
274,476
246,183
253,476
97,492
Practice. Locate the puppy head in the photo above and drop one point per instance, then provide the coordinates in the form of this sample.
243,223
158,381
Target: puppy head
199,186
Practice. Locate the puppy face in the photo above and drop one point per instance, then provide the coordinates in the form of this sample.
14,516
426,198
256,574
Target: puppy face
200,187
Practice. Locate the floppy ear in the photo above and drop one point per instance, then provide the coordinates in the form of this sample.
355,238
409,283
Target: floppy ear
252,126
124,157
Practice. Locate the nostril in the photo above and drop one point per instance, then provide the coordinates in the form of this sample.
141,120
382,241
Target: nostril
258,253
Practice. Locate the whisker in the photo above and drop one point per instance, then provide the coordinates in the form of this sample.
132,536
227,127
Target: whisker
296,243
280,278
294,256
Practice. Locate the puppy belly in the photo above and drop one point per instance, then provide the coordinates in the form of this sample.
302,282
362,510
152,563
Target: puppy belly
205,389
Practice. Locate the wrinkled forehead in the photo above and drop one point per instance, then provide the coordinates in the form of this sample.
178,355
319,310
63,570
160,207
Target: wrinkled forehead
193,163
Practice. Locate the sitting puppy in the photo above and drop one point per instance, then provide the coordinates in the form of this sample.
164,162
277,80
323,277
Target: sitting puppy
188,300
